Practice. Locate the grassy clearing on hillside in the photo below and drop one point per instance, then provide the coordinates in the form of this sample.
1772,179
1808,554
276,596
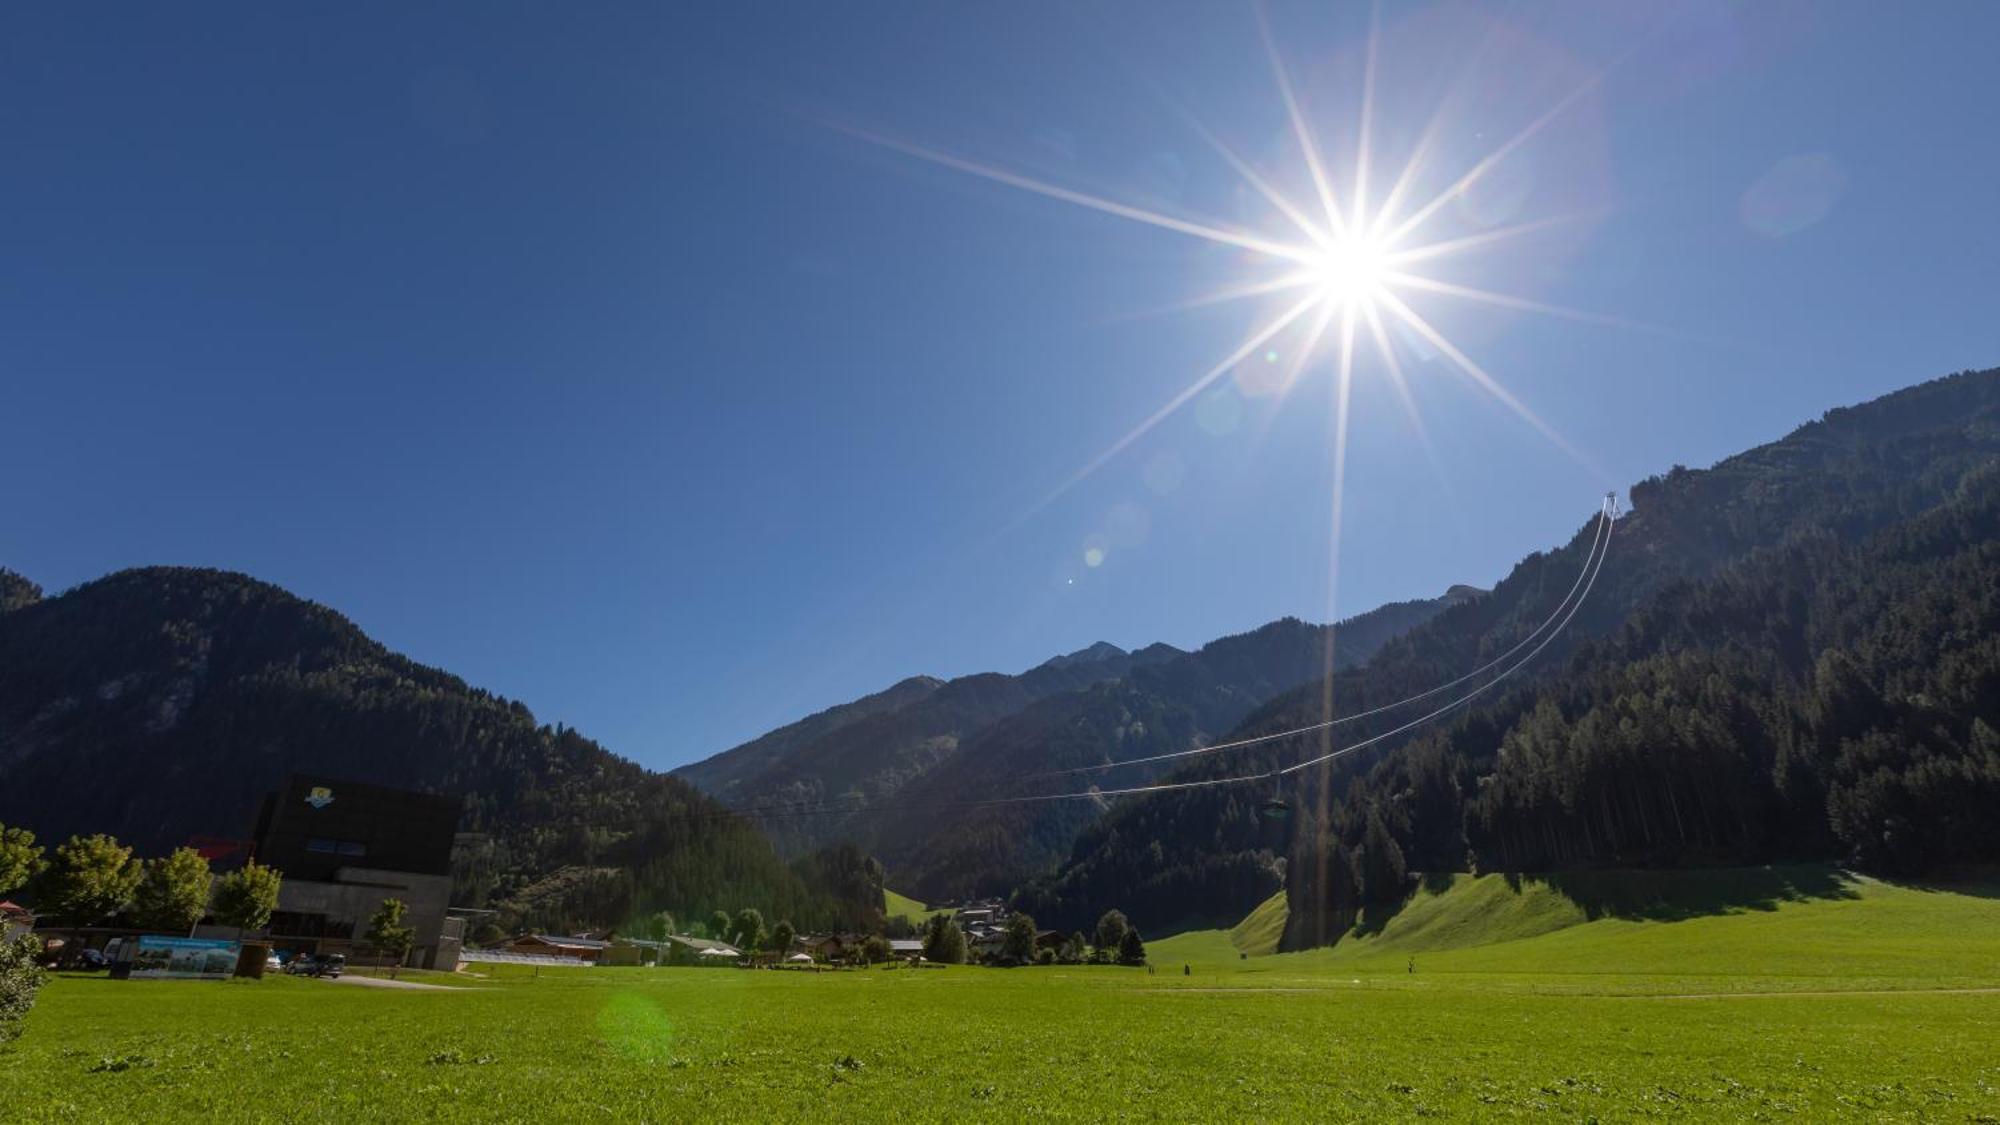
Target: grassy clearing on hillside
1587,1020
894,904
1259,933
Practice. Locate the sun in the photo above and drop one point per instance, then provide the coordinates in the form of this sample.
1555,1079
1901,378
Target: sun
1345,270
1350,273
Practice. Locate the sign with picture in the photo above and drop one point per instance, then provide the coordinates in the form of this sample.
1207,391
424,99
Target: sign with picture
159,958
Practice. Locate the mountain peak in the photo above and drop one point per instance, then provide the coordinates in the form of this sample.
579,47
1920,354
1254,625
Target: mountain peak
1095,654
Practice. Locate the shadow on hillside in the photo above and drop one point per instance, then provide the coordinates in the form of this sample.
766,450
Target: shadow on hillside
1672,896
1977,882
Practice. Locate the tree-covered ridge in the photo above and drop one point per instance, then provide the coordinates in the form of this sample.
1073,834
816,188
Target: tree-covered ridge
162,703
1789,654
895,771
944,850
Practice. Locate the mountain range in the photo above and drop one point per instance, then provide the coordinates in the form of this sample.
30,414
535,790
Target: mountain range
1792,654
903,772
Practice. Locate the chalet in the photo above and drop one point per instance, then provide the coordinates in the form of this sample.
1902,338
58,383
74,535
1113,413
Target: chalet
556,945
681,949
906,949
831,947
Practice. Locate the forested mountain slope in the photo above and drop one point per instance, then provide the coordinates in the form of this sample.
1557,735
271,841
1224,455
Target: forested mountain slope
899,767
944,849
161,703
1794,654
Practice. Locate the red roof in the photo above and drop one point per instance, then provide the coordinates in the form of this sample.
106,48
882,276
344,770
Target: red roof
10,909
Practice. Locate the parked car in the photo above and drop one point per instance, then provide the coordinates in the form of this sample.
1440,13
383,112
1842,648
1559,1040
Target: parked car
273,963
317,965
89,961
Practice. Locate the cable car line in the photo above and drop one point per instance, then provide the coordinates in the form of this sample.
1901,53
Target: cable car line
1267,775
1601,534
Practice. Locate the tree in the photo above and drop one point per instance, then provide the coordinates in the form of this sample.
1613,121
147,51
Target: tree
782,936
1131,951
21,976
944,942
1074,949
1379,865
20,859
749,929
657,926
173,892
245,898
92,878
720,927
1111,931
876,949
1017,944
387,934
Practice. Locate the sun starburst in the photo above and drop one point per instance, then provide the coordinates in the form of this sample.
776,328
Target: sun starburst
1345,275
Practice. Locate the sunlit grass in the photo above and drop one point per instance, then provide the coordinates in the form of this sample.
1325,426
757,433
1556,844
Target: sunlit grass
1575,1021
894,904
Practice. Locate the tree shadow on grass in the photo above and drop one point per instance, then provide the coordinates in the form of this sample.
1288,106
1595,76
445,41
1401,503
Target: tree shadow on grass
1977,882
1677,895
1372,919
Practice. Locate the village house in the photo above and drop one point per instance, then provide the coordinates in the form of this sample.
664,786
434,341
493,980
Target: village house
555,945
681,949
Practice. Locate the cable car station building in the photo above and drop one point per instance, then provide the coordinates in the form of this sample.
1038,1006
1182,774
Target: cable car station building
343,847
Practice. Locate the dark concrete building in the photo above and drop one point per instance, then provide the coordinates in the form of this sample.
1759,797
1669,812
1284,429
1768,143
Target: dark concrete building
343,847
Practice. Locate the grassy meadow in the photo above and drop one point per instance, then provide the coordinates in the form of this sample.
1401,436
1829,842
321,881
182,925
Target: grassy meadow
1800,995
894,904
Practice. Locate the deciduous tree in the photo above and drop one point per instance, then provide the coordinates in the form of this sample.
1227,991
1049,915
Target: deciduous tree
20,858
387,934
749,929
1111,930
245,897
92,878
172,892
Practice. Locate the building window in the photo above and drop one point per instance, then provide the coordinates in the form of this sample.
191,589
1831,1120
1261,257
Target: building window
326,846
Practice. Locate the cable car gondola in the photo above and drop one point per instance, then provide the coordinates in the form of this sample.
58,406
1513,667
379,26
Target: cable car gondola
1275,806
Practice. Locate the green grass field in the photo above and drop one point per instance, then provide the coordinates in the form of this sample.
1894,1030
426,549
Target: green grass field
1802,996
894,904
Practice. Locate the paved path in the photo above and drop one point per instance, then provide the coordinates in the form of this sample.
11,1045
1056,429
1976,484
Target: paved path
385,982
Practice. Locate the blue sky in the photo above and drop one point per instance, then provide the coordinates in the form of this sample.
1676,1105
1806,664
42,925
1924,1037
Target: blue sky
594,357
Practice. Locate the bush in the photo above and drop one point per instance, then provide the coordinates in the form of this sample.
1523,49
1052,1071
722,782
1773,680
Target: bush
21,977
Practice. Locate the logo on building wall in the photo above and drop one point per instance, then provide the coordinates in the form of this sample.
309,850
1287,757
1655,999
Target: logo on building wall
320,797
